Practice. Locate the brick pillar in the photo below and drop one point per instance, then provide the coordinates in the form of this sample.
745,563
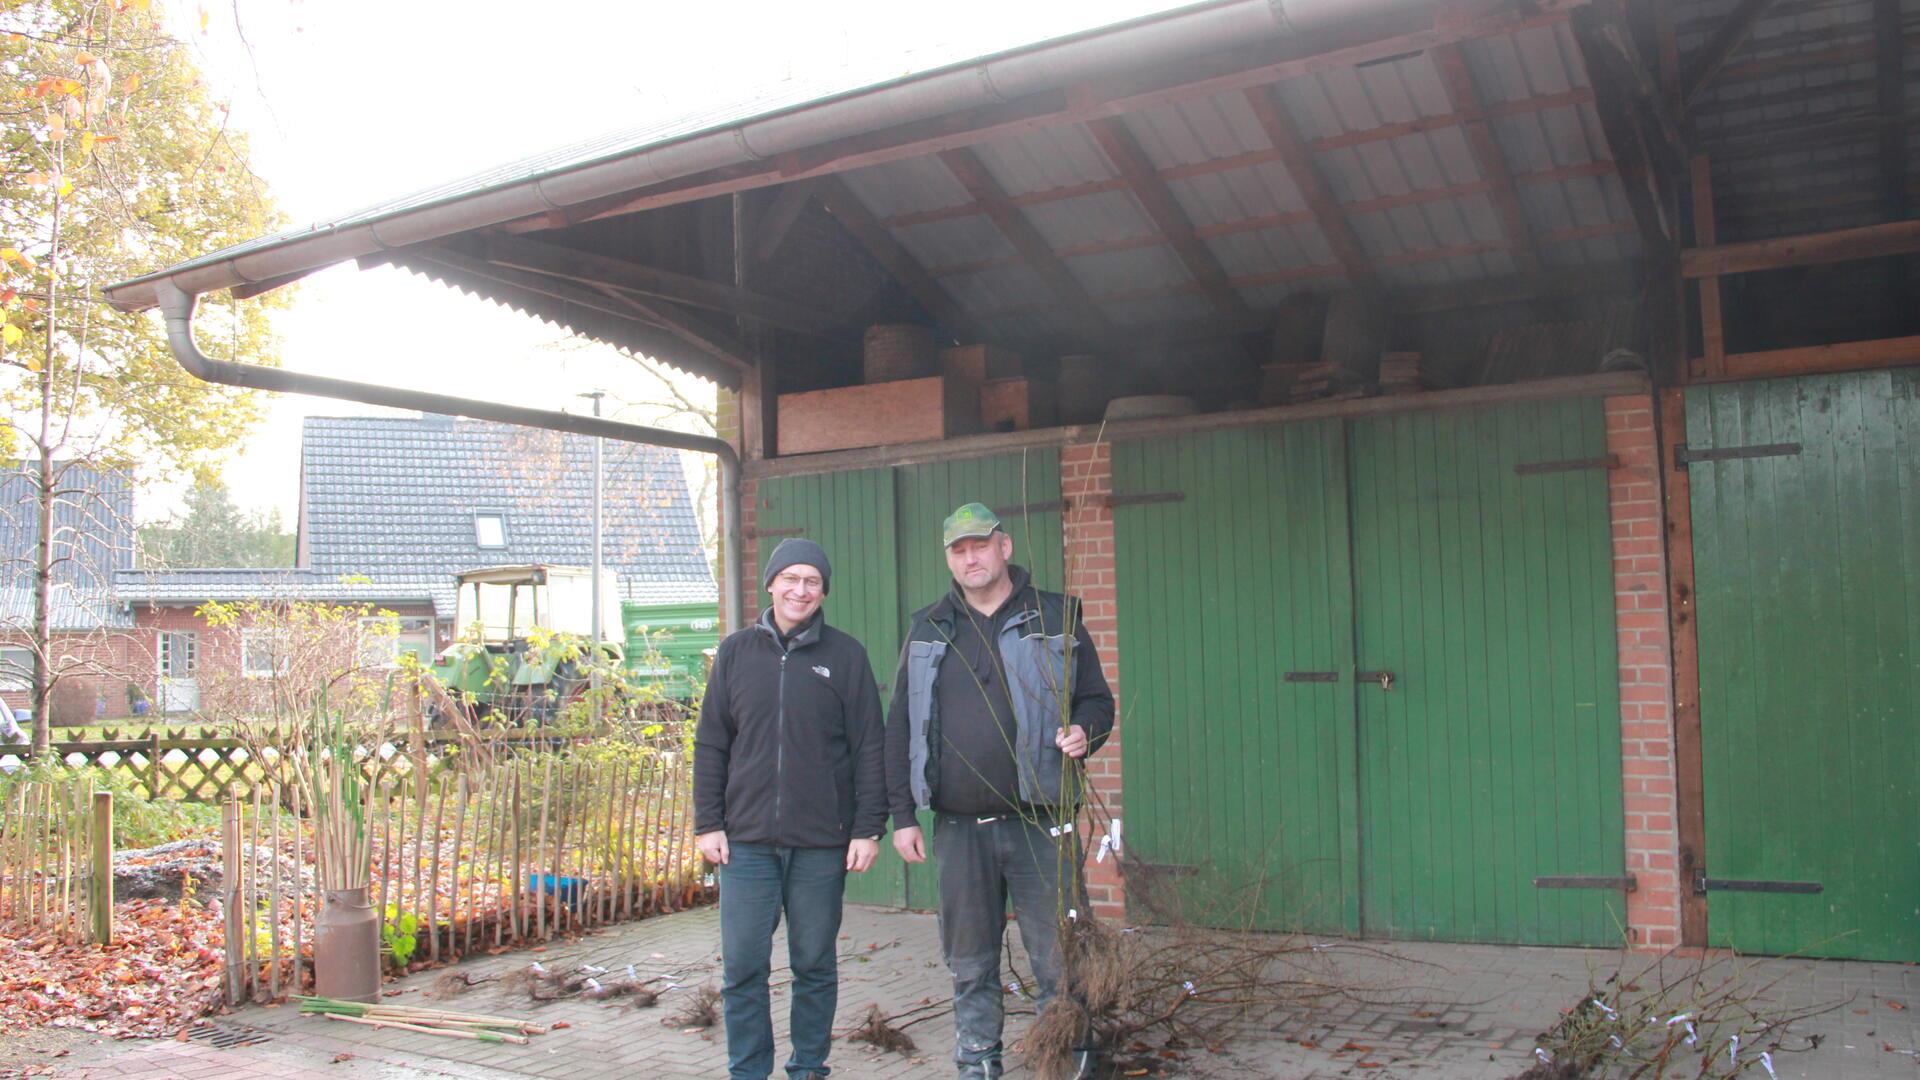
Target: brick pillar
750,592
1086,479
1646,675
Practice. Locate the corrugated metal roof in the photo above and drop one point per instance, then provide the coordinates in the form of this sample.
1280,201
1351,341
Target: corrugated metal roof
1417,199
1806,68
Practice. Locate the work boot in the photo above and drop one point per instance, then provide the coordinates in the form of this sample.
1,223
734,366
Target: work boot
1086,1061
984,1069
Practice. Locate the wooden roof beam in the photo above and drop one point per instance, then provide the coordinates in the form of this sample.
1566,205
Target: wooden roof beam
1298,161
866,230
770,231
1651,185
1289,218
1725,41
1251,159
1457,80
587,268
1256,64
1840,245
1890,98
1118,143
646,327
980,184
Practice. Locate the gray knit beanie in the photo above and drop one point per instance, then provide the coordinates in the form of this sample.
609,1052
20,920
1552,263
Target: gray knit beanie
798,551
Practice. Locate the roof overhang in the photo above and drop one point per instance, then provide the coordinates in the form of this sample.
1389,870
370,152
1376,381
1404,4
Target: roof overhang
1098,72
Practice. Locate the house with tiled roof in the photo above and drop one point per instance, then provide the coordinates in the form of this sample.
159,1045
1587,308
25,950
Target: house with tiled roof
392,509
93,539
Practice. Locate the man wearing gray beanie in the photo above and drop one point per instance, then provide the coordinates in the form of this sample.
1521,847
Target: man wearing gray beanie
789,794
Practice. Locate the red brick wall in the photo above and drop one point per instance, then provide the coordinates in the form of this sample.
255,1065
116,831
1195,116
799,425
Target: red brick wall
219,648
99,667
1086,479
1646,675
751,592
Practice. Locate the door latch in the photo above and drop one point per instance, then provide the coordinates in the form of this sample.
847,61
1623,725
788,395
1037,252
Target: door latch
1384,678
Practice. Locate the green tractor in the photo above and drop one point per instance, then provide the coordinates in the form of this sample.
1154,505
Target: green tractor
523,639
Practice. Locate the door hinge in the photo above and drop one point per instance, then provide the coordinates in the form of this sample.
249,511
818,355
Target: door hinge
1534,468
1702,885
1684,455
1147,498
1623,883
1312,676
760,533
1018,509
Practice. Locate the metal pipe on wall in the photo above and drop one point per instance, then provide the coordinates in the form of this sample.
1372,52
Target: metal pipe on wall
177,306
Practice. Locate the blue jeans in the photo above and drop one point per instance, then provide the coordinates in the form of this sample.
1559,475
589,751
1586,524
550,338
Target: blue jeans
757,884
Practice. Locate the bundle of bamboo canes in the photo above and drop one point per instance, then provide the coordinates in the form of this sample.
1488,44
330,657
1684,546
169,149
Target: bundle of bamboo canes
326,770
453,1025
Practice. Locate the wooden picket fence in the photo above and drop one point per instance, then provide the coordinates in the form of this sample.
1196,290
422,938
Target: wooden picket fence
206,766
510,851
56,861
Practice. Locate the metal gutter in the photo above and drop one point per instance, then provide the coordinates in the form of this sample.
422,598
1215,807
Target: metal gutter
177,306
1156,39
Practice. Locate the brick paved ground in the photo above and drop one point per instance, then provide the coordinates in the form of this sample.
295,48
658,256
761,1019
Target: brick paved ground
1445,1012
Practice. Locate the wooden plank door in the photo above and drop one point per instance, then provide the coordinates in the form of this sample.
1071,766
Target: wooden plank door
1806,534
1492,759
1236,634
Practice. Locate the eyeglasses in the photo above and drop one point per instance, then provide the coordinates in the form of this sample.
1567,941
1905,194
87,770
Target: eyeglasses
795,581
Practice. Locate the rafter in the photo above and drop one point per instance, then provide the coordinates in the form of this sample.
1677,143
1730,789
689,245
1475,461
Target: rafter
1713,337
866,230
643,327
1726,41
1231,70
770,231
1248,160
1326,271
1118,143
1298,161
972,174
584,267
1457,79
1603,39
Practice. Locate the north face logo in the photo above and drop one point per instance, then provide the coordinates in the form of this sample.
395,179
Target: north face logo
821,671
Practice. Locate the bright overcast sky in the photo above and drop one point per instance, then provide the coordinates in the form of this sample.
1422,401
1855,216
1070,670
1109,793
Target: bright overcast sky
351,102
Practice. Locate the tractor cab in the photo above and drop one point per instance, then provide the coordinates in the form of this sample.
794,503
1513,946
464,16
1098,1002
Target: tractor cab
521,635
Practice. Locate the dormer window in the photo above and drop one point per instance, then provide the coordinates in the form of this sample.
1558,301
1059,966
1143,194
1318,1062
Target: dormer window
490,529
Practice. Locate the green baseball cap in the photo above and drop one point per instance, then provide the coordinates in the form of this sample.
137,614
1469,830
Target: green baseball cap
973,519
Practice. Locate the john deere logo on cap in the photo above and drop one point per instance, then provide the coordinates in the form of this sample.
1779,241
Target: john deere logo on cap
973,519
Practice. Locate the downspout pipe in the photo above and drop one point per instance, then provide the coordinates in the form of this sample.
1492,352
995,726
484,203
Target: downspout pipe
177,305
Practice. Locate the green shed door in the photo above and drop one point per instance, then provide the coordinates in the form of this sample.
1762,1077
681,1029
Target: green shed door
1024,488
1494,757
851,514
1237,636
1807,562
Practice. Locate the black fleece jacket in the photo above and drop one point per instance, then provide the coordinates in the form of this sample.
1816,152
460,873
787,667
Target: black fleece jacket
788,750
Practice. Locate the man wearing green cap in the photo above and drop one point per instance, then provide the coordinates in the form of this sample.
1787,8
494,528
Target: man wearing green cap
979,731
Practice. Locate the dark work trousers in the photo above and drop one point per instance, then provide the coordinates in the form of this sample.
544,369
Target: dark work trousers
983,862
758,882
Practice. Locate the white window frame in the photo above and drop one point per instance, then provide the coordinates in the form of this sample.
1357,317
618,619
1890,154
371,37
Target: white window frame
250,643
16,673
164,654
499,518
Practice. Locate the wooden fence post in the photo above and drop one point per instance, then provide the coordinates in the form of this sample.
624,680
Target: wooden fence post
100,895
154,776
230,900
